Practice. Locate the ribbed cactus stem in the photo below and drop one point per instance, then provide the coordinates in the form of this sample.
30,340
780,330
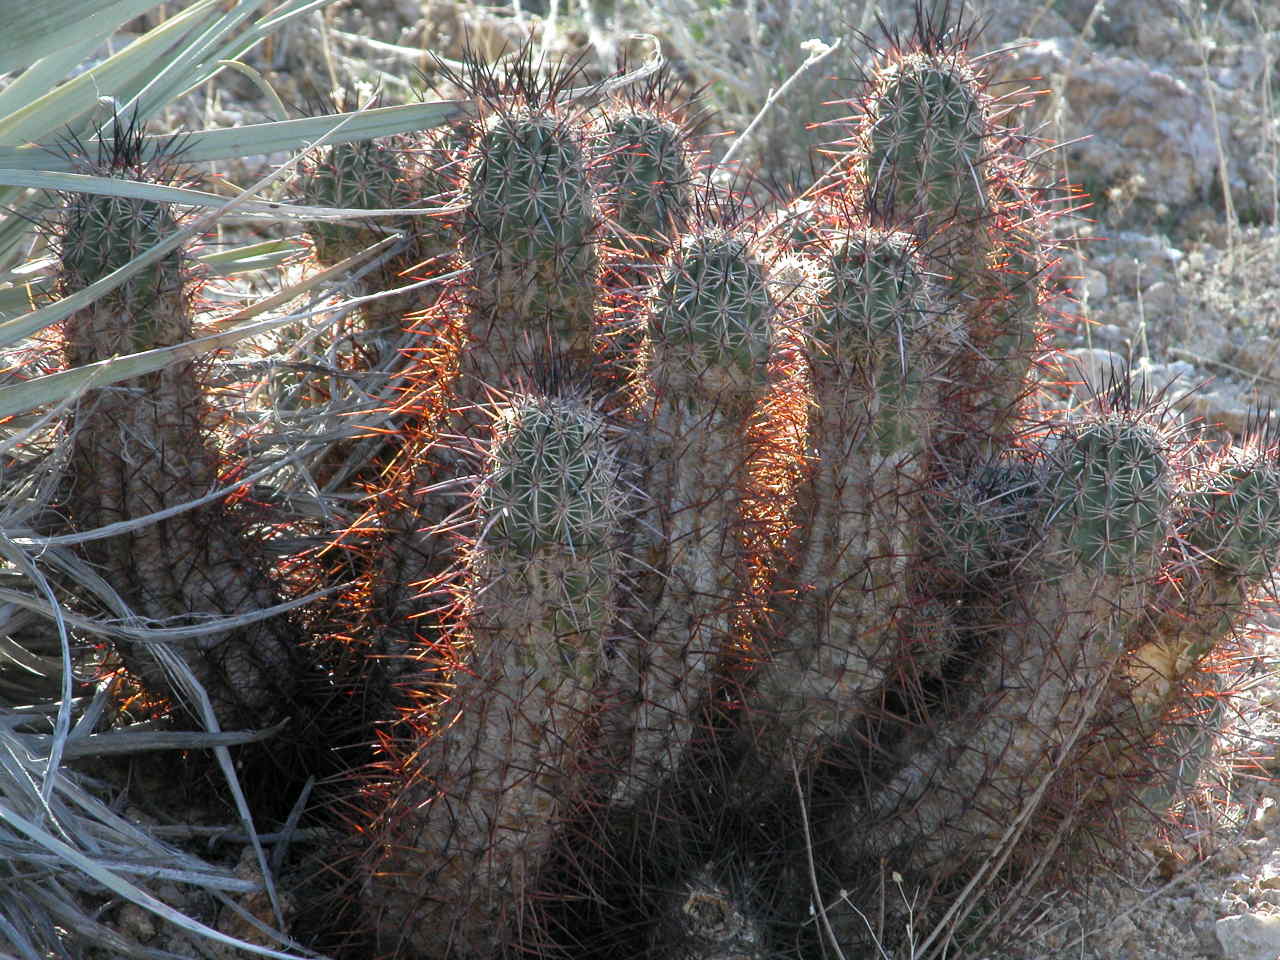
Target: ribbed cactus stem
1105,515
364,175
708,338
529,234
931,157
511,751
143,446
647,172
1235,516
874,405
1231,526
926,141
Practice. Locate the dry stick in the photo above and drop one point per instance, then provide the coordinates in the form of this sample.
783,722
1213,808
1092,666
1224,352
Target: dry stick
1268,111
1224,177
813,873
818,52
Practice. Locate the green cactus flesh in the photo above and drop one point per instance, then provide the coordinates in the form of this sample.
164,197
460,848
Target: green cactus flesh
142,447
647,170
710,316
1046,668
548,483
926,145
708,337
529,229
507,757
1236,518
365,176
1112,496
870,371
100,235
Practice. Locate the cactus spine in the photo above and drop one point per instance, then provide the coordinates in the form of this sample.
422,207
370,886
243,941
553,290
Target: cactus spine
511,744
870,368
935,620
1105,513
703,371
143,446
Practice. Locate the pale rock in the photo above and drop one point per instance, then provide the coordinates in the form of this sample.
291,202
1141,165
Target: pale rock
1095,282
1174,378
1249,936
1220,408
1269,876
1144,120
1159,298
1090,370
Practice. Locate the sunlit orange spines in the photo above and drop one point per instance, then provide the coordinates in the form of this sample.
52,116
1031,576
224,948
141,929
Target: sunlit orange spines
536,605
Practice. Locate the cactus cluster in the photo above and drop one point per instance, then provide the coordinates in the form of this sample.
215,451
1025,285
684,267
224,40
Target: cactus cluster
146,445
721,559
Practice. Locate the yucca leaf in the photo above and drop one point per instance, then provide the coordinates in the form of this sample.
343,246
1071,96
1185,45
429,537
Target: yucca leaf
192,64
55,387
30,34
68,105
250,257
20,397
117,884
160,193
43,75
263,138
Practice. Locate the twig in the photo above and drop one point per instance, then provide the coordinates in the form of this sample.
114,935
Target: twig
813,873
818,51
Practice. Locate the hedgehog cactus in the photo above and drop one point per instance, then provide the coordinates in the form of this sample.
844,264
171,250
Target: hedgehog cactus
703,372
647,172
871,367
529,234
365,176
511,745
926,138
1236,517
144,446
842,561
928,155
1231,524
1105,512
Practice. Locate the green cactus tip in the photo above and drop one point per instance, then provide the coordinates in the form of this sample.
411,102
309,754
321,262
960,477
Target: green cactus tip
1111,494
926,137
366,175
551,480
530,210
648,172
1235,515
712,306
